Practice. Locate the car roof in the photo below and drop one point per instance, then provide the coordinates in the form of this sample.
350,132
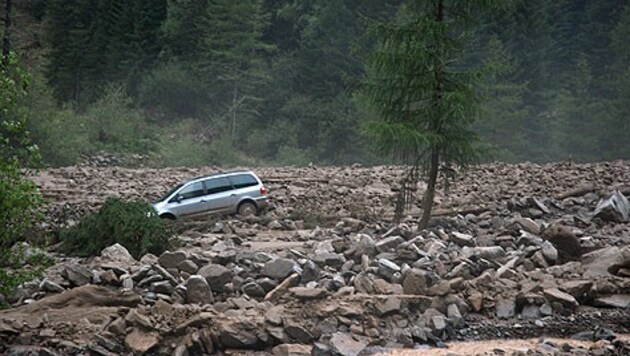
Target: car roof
220,174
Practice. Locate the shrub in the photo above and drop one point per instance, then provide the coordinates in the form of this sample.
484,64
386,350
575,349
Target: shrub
131,224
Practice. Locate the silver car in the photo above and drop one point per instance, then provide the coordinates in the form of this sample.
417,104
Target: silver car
239,192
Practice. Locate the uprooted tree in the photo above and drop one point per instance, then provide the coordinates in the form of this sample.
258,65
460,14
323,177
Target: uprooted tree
424,96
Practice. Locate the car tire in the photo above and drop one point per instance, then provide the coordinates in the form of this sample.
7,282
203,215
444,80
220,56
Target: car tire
247,208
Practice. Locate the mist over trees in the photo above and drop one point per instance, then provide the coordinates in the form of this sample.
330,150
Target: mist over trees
199,82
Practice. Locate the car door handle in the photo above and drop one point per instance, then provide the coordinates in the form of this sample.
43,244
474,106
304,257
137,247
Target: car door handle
202,200
233,195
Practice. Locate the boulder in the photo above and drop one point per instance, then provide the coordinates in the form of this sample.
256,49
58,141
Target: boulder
198,290
216,275
280,268
615,208
171,259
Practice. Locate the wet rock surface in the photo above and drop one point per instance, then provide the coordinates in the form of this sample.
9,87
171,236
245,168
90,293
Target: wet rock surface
513,251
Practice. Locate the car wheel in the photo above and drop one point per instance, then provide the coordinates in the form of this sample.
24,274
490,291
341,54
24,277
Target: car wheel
247,208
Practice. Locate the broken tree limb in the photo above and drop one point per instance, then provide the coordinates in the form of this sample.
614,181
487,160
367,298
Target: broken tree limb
579,191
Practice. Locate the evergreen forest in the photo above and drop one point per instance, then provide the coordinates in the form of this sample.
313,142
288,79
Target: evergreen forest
283,82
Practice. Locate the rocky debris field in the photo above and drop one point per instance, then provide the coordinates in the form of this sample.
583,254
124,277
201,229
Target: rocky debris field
512,252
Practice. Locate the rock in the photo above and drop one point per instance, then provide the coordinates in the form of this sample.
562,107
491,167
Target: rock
549,252
280,268
578,289
454,316
292,350
77,275
555,295
139,342
389,243
188,267
387,306
529,225
615,208
161,287
109,277
253,289
273,315
476,301
238,339
217,276
365,246
50,286
298,333
330,259
171,259
308,293
198,290
416,282
621,301
506,308
489,252
531,312
345,345
127,282
311,272
387,268
462,239
117,253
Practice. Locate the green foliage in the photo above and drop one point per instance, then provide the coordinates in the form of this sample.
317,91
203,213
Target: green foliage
131,224
292,156
20,199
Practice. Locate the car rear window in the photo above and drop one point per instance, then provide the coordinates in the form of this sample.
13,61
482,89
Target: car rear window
217,185
243,181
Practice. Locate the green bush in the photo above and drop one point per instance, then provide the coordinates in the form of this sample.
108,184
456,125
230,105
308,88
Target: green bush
131,224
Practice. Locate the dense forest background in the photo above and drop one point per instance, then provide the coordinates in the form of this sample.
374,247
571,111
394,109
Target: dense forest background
200,82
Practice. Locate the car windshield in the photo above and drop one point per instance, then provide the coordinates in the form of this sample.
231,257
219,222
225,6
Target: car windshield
170,193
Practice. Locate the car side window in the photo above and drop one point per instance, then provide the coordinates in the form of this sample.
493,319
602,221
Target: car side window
243,181
217,185
192,191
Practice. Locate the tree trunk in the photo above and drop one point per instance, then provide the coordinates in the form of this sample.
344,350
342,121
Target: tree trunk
6,44
429,194
234,105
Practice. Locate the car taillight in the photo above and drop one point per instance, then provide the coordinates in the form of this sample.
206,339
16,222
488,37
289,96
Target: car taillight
263,190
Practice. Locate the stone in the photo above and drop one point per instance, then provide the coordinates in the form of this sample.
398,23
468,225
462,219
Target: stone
298,333
438,323
127,282
531,312
329,259
578,289
50,286
416,282
161,287
307,293
139,342
462,239
273,315
198,290
389,243
77,275
365,246
476,301
253,289
310,272
549,252
564,240
486,252
217,276
615,208
387,268
109,277
454,316
238,339
292,350
188,266
621,301
505,308
280,268
387,306
556,295
171,259
529,225
344,344
117,253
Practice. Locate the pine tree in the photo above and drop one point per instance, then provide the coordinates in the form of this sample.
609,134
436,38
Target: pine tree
426,103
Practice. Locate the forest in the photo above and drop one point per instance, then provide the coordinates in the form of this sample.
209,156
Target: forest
282,82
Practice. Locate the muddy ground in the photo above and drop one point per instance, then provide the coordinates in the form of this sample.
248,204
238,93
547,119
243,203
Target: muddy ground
513,252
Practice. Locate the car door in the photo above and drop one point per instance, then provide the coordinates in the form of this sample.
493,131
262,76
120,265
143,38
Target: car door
189,200
220,197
